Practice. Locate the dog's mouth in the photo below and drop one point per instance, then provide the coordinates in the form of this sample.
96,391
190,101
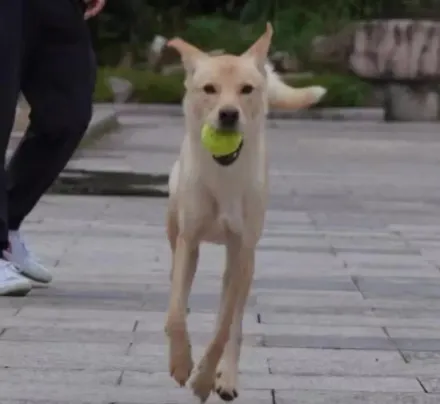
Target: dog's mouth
229,159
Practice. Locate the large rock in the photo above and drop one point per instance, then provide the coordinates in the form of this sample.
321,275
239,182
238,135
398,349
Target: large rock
403,56
411,102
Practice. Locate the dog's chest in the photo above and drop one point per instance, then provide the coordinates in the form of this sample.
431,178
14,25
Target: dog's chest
238,196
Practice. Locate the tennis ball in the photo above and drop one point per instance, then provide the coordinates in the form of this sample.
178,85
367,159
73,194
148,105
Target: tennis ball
220,143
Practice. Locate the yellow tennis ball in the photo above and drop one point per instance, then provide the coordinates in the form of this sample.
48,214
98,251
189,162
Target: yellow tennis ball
220,143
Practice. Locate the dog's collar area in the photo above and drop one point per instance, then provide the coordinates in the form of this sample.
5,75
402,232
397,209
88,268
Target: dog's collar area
228,159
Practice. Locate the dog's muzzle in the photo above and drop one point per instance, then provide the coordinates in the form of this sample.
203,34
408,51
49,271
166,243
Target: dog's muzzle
228,159
228,118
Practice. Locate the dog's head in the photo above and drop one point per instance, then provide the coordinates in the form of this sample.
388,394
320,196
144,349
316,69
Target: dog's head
227,92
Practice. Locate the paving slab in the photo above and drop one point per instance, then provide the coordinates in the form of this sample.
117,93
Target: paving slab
344,308
320,397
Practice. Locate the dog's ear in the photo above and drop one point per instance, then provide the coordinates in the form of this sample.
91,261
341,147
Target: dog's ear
259,50
189,53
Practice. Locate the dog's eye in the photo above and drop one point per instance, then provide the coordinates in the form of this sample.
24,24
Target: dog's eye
246,89
209,89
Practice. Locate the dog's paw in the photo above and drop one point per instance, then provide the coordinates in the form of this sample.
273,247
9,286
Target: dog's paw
317,92
203,383
226,385
181,363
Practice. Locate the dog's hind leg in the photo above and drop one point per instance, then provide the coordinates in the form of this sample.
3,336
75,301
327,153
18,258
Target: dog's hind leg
226,384
185,258
172,233
204,380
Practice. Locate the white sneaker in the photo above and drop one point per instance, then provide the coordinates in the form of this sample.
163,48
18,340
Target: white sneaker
11,282
27,264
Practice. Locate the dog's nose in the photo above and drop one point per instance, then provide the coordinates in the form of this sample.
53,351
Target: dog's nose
228,117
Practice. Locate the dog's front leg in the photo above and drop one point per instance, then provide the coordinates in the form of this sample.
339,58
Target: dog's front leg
226,384
185,263
204,380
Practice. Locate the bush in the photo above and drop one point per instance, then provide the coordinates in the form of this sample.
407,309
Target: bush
342,91
212,32
148,87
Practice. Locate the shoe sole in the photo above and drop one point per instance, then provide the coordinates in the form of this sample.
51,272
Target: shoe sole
16,290
34,278
26,273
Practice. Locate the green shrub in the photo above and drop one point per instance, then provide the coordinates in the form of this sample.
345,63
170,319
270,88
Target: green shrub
148,87
342,91
214,32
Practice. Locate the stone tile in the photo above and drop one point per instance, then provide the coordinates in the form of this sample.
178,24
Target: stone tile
7,312
197,322
58,334
315,330
369,193
414,231
85,317
32,355
335,362
327,342
84,290
343,319
323,397
389,261
431,255
62,302
51,318
426,274
423,358
402,304
59,377
287,242
313,310
267,259
363,241
288,231
351,363
431,384
93,393
11,303
332,383
345,220
290,283
391,288
309,299
296,271
31,401
197,337
419,344
292,217
289,382
419,333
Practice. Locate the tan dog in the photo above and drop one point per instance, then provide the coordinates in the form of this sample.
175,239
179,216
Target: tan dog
222,200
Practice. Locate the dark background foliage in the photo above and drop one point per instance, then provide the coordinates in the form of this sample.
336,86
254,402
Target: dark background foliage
126,27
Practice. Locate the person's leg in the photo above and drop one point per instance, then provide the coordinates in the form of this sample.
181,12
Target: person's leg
11,31
58,83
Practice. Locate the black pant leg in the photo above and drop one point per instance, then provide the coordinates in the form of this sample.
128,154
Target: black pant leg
11,39
58,83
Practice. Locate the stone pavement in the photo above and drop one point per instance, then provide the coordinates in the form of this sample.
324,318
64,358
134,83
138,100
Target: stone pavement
345,306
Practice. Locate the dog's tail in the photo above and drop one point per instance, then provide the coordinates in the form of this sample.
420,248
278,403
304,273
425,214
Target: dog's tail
283,96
